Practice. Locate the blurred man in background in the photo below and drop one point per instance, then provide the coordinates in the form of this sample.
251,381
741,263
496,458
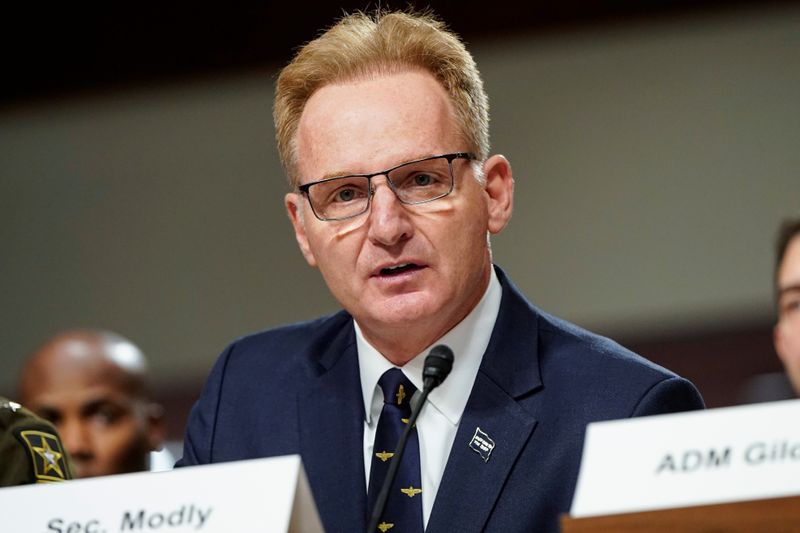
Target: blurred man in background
91,385
787,288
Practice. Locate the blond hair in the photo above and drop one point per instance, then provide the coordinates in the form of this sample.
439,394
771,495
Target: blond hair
361,45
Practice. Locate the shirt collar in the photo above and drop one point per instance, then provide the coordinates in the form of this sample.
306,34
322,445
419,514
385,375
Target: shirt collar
468,340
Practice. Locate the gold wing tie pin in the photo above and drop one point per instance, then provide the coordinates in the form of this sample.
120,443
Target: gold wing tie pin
411,491
401,394
384,455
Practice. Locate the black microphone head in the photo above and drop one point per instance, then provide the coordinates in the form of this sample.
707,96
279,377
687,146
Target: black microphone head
438,364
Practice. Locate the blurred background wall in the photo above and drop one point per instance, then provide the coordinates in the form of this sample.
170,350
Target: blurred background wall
654,151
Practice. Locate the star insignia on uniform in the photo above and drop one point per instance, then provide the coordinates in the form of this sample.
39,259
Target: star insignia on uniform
384,455
50,456
385,526
411,491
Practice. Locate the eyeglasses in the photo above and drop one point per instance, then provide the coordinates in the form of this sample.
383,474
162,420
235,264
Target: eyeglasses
415,182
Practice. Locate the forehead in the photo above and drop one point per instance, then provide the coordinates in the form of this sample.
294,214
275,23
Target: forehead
789,272
60,377
370,124
72,401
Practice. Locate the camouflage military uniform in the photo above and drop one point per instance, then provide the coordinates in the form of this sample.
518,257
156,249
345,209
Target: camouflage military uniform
30,449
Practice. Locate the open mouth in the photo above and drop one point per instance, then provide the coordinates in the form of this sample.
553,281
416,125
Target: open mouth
399,269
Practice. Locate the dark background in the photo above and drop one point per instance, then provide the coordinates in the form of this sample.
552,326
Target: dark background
66,48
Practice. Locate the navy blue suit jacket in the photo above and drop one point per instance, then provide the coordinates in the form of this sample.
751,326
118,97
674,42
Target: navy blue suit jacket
296,389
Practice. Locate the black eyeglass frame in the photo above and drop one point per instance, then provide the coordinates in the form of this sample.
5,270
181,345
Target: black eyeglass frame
449,157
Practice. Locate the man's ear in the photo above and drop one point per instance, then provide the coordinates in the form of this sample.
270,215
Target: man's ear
500,191
156,426
293,206
777,341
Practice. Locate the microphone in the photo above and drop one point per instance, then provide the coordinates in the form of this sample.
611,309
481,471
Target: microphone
438,364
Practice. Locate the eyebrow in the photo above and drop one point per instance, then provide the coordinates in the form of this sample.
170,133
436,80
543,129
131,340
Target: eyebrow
331,175
345,174
48,412
795,287
94,405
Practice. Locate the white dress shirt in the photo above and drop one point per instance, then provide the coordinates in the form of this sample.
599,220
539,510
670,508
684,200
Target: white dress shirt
438,422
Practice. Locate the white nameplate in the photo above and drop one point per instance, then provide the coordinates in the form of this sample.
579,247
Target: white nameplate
723,455
260,495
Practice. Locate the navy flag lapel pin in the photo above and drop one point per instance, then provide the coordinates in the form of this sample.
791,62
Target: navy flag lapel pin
482,444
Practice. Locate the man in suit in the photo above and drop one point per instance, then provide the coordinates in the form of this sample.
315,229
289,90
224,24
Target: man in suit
382,126
787,289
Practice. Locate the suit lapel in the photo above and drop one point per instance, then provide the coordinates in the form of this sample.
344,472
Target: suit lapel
471,485
331,437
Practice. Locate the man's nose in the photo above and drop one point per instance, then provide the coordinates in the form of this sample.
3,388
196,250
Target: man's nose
389,221
75,437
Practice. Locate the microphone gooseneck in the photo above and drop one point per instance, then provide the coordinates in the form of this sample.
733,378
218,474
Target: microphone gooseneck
438,364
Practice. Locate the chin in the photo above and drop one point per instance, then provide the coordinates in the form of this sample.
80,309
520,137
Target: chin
405,310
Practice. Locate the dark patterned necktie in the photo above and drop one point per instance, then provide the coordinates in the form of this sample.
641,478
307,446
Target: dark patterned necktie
403,512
